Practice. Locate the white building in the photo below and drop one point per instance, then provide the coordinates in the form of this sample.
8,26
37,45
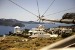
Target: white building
66,30
35,32
17,30
39,32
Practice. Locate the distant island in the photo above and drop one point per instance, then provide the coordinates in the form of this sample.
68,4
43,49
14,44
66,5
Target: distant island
15,22
11,22
32,22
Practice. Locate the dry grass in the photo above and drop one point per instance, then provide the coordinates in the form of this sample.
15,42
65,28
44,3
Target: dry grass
18,49
10,44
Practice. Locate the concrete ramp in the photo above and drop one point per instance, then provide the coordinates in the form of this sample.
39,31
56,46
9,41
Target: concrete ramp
61,44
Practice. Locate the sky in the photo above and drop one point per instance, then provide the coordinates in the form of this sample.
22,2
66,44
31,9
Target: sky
8,10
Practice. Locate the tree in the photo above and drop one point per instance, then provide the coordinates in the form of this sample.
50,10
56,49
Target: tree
64,35
25,31
50,32
10,33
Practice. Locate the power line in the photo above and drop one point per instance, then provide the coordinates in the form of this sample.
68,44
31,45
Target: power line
38,12
38,7
22,7
49,7
61,11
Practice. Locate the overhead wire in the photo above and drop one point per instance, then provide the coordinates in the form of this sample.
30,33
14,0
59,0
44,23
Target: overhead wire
38,12
49,7
61,11
26,10
38,7
22,7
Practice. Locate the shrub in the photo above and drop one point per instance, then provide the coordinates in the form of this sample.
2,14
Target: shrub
3,47
64,35
50,32
37,44
10,33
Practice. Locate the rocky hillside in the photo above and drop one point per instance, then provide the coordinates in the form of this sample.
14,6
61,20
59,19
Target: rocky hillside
68,16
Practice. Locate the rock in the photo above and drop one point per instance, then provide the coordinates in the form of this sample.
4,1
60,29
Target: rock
68,16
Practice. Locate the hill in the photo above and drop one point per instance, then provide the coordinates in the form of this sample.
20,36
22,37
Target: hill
11,22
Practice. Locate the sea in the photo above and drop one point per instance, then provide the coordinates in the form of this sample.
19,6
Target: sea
6,29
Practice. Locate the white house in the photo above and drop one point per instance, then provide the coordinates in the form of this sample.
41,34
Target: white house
17,30
66,30
39,32
35,32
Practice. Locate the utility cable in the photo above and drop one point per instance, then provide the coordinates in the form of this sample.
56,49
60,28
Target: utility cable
38,7
26,10
61,11
38,11
22,7
48,7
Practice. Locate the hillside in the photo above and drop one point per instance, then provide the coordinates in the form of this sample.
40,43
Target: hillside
11,22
